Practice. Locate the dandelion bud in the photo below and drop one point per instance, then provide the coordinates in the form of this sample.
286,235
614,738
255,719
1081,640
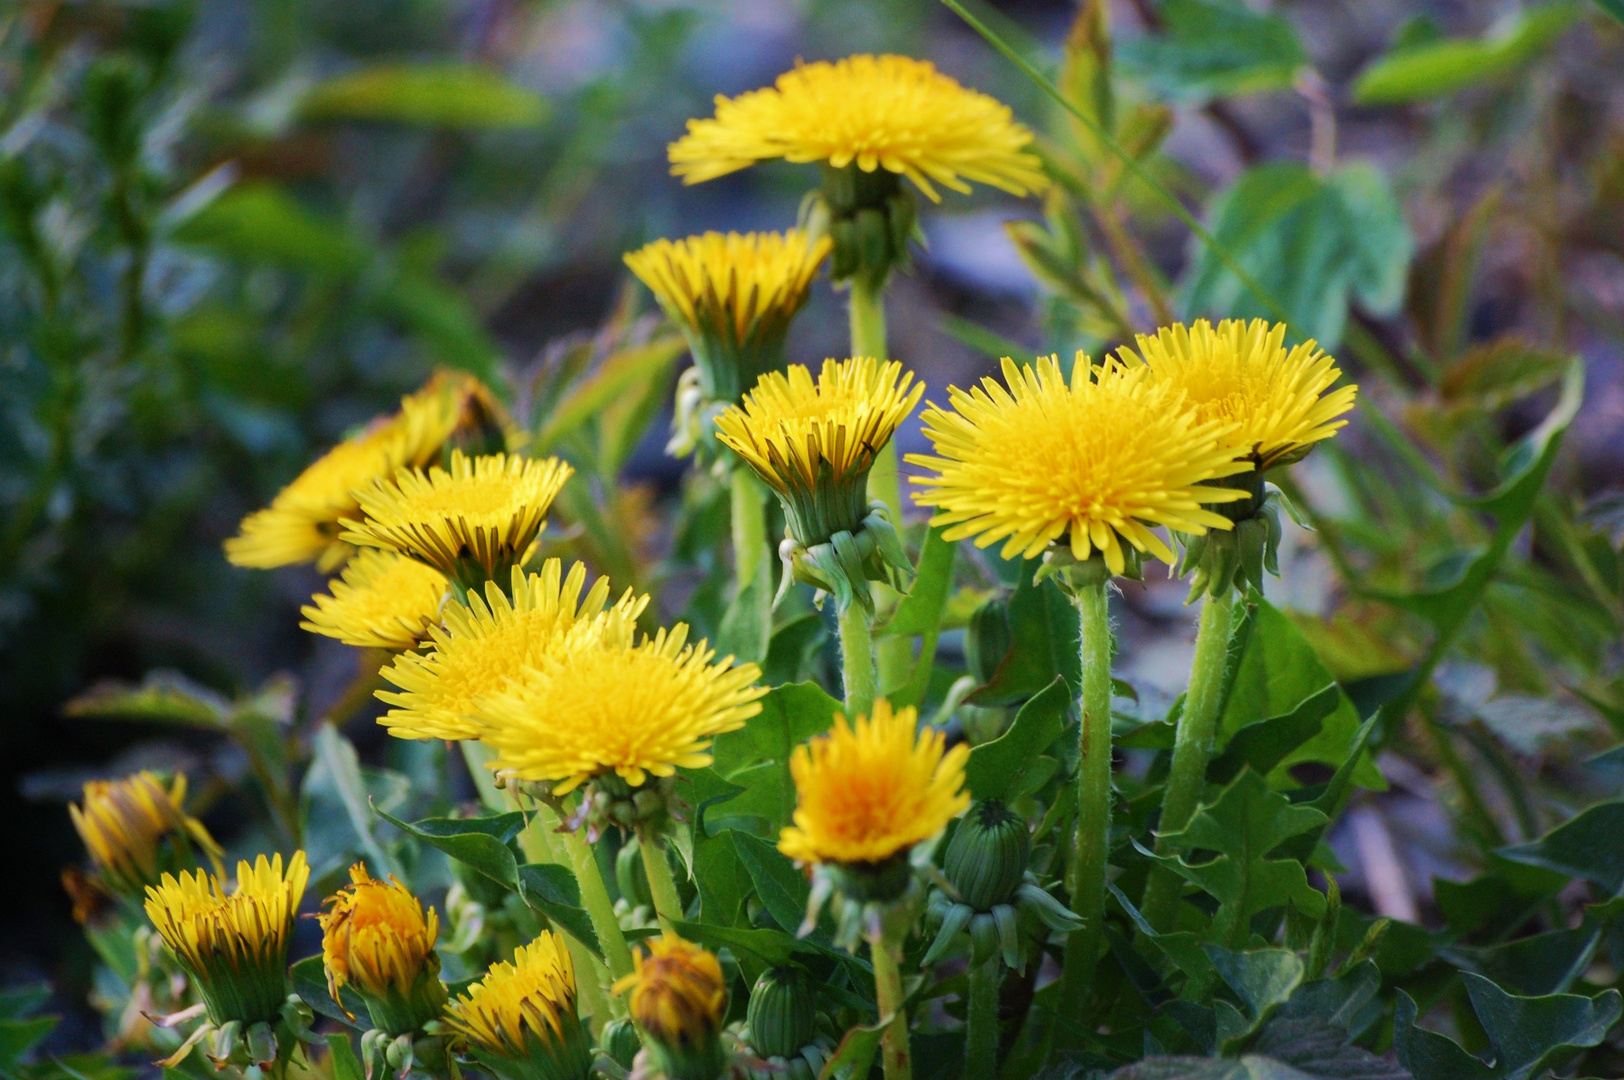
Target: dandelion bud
377,941
520,1022
136,831
783,1016
987,856
678,1000
619,1040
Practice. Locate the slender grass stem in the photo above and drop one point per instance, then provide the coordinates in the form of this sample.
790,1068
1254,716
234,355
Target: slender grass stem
661,885
894,1051
857,661
1192,748
1085,875
981,1028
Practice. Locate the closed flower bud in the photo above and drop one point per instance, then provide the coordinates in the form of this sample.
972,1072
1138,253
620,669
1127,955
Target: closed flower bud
136,831
520,1020
619,1040
988,855
782,1016
377,941
679,1000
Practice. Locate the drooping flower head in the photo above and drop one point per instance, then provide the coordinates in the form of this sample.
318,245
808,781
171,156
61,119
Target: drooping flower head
136,830
632,710
679,1001
234,944
472,522
733,297
381,600
876,112
869,791
813,442
520,1019
376,939
1093,462
1279,400
302,524
493,638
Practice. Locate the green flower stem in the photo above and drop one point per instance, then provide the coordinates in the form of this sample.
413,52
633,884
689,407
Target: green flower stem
661,885
749,526
981,1029
476,755
888,995
1192,749
1085,877
595,898
857,661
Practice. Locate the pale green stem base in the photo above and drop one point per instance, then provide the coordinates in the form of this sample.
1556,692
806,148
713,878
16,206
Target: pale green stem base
599,908
894,1051
857,661
749,526
661,885
981,1023
1085,875
1192,750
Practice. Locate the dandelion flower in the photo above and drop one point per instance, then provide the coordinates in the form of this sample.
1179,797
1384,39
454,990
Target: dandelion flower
490,639
136,830
520,1020
875,112
1279,400
733,296
473,522
814,442
868,792
1094,462
679,1001
381,601
376,939
233,944
636,711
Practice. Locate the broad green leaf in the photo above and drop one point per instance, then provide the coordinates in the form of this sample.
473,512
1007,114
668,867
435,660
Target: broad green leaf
1586,847
1313,243
163,697
434,95
792,649
309,978
341,770
262,223
747,625
722,880
1042,636
920,613
552,890
346,1066
1437,68
1214,48
1318,1048
1264,745
995,768
1264,979
756,756
854,1057
18,1037
1526,1034
782,889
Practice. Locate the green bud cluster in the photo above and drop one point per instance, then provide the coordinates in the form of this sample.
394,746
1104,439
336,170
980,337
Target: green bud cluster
847,561
610,801
870,216
1238,558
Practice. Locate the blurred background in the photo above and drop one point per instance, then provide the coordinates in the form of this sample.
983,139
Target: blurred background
230,232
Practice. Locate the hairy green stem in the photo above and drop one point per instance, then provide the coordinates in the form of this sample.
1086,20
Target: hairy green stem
857,661
599,908
661,885
1192,749
888,995
981,1027
749,526
1085,876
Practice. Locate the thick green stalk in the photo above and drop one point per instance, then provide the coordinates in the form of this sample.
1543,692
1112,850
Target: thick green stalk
857,661
981,1028
749,526
888,994
661,885
1085,875
599,908
1192,748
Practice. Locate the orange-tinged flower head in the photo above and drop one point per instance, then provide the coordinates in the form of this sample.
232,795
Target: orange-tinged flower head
136,830
678,997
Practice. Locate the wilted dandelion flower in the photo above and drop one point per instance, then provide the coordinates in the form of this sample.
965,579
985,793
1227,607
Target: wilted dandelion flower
492,638
1090,463
302,524
472,522
520,1019
877,112
633,710
234,944
870,791
1279,400
136,830
733,296
381,600
679,1002
377,940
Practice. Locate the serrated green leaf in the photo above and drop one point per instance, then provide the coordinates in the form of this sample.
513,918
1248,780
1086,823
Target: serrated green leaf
346,1066
1583,847
782,889
1043,634
756,757
1264,745
440,94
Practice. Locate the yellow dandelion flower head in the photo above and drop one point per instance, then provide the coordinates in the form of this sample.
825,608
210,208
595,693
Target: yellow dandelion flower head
1100,459
302,522
480,515
233,943
135,829
869,791
381,601
1279,400
813,442
635,710
678,993
879,112
375,936
490,639
534,994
